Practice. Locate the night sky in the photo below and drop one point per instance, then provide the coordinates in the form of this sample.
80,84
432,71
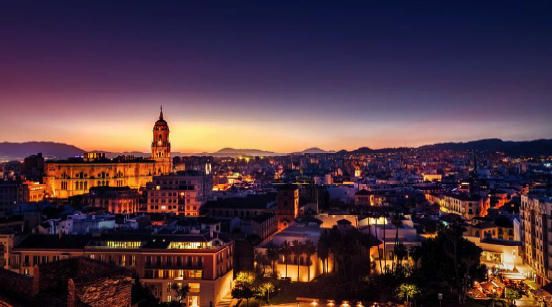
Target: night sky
274,75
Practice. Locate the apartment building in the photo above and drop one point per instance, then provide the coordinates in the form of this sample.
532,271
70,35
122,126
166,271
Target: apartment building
201,261
536,230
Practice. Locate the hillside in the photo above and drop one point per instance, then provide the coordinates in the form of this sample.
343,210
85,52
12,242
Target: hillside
16,151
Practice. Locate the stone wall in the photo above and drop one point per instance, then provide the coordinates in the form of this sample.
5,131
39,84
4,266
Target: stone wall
73,282
103,292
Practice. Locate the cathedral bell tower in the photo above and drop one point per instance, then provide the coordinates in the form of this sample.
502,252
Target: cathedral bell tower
161,147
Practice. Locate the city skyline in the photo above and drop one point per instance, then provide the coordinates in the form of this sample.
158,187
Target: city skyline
279,77
275,153
144,148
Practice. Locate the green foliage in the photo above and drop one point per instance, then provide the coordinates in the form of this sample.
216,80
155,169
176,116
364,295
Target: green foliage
407,291
350,250
245,279
449,260
264,290
511,294
244,286
141,295
243,292
179,293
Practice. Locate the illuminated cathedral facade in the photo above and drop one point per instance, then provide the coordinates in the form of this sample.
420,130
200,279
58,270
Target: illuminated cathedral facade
76,176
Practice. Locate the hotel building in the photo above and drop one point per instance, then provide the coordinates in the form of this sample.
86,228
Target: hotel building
466,205
536,226
183,193
202,262
123,200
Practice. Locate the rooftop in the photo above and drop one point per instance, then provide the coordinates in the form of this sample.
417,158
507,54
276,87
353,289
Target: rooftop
120,159
121,241
256,201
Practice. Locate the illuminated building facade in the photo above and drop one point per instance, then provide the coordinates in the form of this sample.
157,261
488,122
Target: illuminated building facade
161,147
183,193
536,222
468,206
77,176
116,200
369,198
32,192
287,205
199,261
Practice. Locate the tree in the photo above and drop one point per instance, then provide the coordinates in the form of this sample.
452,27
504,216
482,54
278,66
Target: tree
383,214
243,293
397,222
262,261
309,250
244,286
265,289
401,253
323,250
245,278
273,255
376,216
406,292
450,260
511,295
141,295
285,250
350,250
179,293
297,249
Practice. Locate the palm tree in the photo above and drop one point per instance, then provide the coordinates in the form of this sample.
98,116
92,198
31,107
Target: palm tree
273,255
402,253
384,215
265,289
407,291
297,250
261,260
323,250
286,251
309,250
376,215
397,223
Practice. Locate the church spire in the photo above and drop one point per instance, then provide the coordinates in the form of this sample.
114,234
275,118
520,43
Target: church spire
161,112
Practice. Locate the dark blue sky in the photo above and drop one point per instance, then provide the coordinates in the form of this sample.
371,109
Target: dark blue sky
341,74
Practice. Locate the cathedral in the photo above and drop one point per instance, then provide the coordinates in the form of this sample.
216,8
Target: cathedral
76,176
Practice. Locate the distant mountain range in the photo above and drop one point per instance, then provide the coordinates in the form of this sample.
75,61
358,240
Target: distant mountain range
52,150
232,152
312,150
514,148
13,151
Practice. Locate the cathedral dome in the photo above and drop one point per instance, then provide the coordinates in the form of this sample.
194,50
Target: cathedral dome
160,123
